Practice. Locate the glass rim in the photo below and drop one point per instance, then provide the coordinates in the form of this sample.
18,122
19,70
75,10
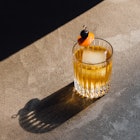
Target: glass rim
102,62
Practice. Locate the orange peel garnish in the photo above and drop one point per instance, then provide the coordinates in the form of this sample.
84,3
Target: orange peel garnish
86,42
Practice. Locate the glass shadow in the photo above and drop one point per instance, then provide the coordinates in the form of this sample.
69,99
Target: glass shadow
39,116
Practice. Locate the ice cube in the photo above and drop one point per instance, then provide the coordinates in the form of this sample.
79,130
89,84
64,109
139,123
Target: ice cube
93,57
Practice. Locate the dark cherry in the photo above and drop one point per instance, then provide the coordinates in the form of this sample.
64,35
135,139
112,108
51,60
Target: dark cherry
84,33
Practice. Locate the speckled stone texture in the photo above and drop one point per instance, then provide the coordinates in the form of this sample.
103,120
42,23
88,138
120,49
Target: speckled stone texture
31,79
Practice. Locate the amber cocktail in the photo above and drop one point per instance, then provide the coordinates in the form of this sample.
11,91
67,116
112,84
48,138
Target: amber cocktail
92,68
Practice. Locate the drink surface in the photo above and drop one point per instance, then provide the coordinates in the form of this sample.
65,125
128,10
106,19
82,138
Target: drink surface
92,67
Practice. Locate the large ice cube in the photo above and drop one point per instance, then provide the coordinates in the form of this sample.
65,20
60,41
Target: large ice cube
93,57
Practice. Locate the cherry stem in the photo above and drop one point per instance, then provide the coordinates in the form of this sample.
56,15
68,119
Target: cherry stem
85,27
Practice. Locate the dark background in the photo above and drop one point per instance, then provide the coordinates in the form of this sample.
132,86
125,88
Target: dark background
24,22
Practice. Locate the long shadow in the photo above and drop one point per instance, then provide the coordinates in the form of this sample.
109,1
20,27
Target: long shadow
24,22
39,116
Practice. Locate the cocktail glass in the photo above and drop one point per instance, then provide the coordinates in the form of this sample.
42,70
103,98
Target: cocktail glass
92,68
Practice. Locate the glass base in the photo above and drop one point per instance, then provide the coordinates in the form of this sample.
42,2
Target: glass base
92,93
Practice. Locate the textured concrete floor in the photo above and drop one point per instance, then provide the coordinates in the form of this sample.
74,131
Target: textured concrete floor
30,78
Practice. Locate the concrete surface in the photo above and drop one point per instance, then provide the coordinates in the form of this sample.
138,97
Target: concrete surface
31,78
